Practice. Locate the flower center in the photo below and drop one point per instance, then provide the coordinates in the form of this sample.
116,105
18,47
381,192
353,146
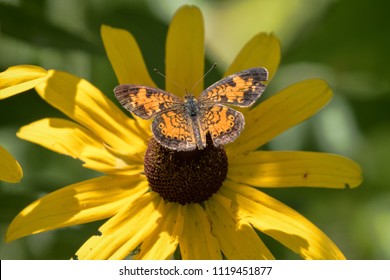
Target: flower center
185,177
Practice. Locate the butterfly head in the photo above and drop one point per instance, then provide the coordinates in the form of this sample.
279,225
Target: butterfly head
189,95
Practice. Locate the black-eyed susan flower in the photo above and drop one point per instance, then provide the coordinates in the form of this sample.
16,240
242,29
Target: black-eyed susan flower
204,203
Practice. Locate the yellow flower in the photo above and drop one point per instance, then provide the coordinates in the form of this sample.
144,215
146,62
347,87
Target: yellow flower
10,170
140,221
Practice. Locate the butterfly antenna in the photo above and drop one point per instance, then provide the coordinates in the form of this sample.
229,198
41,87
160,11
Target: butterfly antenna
168,80
201,79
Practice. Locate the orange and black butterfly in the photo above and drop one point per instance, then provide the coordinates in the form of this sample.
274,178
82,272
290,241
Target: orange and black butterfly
182,125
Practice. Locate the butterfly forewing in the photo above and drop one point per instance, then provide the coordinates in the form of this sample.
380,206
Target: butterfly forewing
240,89
145,102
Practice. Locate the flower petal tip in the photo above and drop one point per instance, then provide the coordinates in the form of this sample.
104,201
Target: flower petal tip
17,79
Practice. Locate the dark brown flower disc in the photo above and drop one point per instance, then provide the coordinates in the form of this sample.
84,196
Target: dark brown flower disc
185,176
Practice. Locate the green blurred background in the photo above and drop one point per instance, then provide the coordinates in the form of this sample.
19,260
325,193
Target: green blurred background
346,42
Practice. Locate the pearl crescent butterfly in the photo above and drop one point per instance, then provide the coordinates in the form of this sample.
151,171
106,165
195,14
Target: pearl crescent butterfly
182,125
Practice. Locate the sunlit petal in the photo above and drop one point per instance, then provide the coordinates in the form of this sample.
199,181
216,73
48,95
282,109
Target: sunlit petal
237,238
184,61
20,78
85,104
197,242
127,60
280,222
162,243
125,56
66,137
281,112
262,51
291,169
121,234
80,203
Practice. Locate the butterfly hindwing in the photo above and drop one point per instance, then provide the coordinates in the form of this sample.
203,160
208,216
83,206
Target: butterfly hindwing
223,123
173,129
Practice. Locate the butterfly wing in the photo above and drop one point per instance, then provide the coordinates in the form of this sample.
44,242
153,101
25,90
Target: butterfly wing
240,89
223,123
144,101
173,130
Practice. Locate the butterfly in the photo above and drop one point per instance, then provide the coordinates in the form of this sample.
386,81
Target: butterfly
182,124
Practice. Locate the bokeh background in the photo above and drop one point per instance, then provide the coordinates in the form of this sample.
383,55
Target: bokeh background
345,42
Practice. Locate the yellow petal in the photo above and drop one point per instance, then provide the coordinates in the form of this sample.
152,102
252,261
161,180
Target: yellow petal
291,169
66,137
281,112
127,60
18,79
162,243
237,238
263,50
121,234
197,242
80,203
85,104
281,223
10,170
184,61
125,56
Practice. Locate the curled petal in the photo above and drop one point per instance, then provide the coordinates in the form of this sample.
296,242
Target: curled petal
10,170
